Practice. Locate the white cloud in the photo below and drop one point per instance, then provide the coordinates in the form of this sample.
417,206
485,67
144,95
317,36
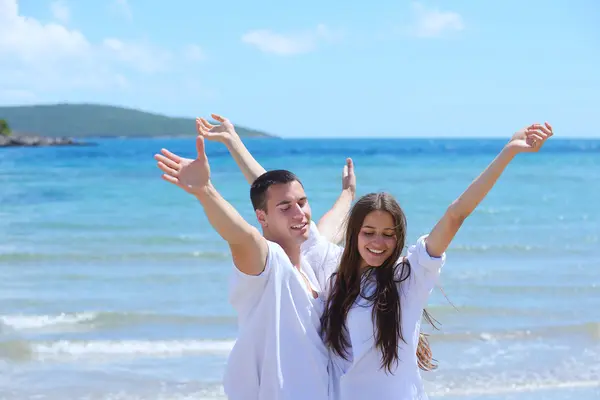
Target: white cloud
28,40
289,44
60,11
142,56
193,52
40,57
433,22
122,8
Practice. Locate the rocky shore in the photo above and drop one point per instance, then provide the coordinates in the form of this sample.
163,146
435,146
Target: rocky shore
37,141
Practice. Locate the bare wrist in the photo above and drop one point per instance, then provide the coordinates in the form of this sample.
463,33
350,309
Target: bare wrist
350,192
231,140
509,151
204,191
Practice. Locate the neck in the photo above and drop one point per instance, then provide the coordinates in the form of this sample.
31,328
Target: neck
291,249
293,252
363,266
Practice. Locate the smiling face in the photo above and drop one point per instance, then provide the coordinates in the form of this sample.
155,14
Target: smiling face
375,234
281,207
287,217
377,238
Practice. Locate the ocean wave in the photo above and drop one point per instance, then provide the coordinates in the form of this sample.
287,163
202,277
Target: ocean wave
21,322
517,249
21,350
575,290
214,391
589,329
96,256
104,320
497,248
15,257
98,321
483,388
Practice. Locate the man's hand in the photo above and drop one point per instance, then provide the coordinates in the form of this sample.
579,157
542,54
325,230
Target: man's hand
193,176
224,133
530,139
348,177
331,225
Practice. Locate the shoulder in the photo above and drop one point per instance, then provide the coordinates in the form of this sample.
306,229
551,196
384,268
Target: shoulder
276,257
322,255
419,258
245,290
316,242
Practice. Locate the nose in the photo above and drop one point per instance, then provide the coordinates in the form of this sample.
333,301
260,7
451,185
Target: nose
378,241
298,212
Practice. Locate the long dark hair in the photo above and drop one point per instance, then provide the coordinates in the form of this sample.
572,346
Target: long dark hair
385,299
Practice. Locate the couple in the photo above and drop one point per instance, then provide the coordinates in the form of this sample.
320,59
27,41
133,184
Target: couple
319,321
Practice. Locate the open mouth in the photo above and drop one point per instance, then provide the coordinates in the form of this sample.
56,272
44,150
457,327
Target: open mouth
299,226
375,252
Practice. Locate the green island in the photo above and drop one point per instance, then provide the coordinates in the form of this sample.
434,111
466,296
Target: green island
65,124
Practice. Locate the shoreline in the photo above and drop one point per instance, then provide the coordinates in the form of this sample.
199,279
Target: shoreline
39,141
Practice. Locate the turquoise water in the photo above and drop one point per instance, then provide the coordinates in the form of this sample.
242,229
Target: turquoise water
113,284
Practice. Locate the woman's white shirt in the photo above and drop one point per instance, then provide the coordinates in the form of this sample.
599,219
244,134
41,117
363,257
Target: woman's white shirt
362,376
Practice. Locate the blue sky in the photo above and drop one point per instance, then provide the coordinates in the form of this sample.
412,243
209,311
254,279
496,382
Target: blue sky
312,69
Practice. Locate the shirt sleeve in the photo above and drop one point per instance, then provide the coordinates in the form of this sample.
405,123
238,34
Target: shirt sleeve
246,290
425,268
322,256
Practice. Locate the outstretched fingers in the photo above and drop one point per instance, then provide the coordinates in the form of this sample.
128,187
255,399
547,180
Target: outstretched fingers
540,129
171,156
348,168
167,161
350,165
170,179
168,170
200,127
200,147
206,124
173,180
219,118
535,138
536,134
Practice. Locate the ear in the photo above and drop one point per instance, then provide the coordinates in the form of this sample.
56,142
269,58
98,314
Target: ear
262,218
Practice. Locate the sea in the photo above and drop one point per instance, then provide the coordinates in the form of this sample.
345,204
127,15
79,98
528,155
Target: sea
114,286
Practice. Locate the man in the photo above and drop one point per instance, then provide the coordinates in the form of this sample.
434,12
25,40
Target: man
321,255
330,224
277,276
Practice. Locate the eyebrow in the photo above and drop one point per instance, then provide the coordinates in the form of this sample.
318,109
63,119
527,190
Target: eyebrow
289,202
372,227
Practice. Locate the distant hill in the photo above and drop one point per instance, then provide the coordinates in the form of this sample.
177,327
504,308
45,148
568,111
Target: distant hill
92,120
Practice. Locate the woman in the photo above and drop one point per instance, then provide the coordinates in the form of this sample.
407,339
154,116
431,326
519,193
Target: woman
373,313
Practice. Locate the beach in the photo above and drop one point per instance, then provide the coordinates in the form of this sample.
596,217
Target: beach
114,286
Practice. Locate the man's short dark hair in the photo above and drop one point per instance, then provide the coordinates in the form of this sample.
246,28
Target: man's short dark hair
258,190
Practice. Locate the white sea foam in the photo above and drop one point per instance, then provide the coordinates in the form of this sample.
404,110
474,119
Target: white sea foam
135,347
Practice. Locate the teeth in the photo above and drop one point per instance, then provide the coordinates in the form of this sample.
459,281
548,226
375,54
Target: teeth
298,226
375,251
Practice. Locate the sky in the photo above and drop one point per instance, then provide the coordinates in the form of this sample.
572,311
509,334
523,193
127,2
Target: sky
392,68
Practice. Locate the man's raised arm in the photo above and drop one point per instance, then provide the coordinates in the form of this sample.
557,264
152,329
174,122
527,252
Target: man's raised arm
248,247
331,224
226,134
